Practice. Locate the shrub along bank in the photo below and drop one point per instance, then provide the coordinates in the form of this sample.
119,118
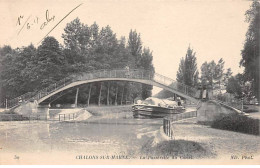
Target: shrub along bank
237,123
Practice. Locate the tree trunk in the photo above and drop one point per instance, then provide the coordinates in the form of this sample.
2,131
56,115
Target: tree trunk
108,87
219,87
99,97
89,93
127,92
116,94
122,94
76,98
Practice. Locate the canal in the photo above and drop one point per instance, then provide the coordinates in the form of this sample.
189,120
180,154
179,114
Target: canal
100,134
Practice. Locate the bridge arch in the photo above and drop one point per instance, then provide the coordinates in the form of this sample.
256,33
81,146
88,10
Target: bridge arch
143,81
133,75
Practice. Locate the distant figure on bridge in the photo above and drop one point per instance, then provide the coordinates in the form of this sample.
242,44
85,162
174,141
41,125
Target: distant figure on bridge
179,101
20,100
127,72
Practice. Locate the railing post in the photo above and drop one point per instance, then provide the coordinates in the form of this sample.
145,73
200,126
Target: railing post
5,103
169,127
164,125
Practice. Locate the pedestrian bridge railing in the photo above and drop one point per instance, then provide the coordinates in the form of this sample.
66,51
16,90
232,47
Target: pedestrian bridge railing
228,100
103,74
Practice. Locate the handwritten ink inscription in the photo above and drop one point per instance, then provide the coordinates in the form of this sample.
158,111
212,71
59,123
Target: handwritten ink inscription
48,19
34,21
24,22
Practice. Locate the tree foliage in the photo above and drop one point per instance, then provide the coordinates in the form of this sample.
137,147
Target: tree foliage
86,48
250,53
188,72
234,86
134,43
227,75
212,74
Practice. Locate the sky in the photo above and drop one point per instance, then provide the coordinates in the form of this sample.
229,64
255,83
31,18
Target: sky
213,29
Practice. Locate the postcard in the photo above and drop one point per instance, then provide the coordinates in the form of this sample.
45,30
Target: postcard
129,82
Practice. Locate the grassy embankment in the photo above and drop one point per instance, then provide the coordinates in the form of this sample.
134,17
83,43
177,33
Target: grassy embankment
11,116
178,148
217,116
237,123
102,110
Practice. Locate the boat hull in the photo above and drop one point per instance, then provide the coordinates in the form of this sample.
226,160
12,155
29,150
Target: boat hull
150,111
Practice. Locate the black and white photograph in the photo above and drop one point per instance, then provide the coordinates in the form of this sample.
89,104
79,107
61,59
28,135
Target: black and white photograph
129,82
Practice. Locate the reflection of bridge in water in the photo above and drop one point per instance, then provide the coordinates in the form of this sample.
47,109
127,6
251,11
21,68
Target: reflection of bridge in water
133,75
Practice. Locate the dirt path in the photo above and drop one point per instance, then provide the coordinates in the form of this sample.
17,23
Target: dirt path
222,143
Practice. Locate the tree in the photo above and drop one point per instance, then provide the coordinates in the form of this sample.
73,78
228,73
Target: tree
250,53
89,93
140,58
6,65
135,45
76,36
219,73
27,59
181,71
234,86
9,76
227,75
121,56
85,48
78,41
50,61
105,50
208,73
146,62
17,71
187,72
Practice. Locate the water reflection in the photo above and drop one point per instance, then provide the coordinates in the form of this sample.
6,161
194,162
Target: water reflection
97,135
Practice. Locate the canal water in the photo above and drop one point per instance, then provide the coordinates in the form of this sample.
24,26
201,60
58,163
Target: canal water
97,135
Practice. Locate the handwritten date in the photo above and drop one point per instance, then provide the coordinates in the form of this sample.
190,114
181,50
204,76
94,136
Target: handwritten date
31,22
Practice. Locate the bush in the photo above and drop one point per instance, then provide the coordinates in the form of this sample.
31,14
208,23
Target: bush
12,117
237,123
250,109
178,148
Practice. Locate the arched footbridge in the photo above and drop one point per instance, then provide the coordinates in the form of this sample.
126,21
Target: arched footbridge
132,75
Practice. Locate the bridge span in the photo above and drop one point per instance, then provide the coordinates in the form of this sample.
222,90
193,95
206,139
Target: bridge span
132,75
